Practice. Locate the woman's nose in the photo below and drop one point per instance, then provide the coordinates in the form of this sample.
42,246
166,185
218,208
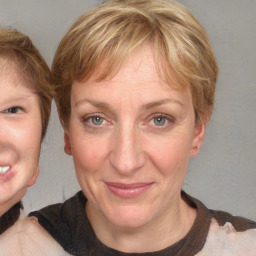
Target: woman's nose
127,155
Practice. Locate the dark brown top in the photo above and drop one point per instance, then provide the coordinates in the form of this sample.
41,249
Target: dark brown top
69,225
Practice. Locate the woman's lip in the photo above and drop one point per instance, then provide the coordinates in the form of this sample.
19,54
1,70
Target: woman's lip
130,190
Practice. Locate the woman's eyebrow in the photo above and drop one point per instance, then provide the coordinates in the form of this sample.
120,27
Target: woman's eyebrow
96,103
100,104
161,102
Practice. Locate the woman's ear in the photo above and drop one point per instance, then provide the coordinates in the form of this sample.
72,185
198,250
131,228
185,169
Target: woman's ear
198,139
67,146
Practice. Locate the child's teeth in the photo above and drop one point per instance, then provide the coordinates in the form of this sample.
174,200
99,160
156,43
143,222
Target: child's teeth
4,169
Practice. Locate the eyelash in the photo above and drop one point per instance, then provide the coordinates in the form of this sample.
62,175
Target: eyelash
88,122
16,108
168,120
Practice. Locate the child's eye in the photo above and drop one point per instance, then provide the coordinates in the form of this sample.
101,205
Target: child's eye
13,110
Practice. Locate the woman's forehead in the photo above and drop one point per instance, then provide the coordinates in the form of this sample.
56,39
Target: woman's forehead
139,64
143,63
138,77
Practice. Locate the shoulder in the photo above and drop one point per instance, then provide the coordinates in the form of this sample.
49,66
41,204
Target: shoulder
227,241
229,235
225,234
63,221
34,238
27,238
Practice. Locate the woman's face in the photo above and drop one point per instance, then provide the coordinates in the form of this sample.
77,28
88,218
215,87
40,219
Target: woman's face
131,138
20,136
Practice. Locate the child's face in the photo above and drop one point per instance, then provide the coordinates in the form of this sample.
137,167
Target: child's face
20,136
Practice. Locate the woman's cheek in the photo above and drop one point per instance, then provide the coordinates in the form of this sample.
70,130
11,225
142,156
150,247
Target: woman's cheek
89,154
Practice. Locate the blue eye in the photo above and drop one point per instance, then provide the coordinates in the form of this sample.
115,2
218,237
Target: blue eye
94,121
159,121
97,120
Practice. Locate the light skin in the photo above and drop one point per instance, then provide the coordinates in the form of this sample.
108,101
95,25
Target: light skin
131,137
20,135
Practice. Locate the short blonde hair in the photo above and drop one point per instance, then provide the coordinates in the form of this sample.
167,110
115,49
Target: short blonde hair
110,31
18,49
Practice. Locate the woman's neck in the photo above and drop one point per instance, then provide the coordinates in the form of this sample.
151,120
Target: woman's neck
164,231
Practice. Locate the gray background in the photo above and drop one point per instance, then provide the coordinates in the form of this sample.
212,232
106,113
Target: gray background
223,175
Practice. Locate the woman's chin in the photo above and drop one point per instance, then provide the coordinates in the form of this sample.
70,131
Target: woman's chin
130,218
